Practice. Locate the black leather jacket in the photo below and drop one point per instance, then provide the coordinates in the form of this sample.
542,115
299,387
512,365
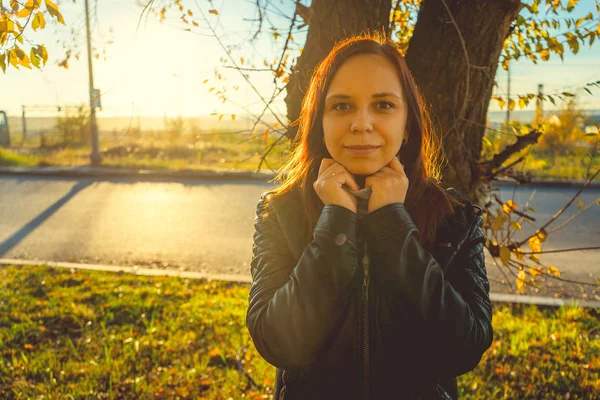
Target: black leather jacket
429,313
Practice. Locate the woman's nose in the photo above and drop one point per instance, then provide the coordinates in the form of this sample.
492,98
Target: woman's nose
362,121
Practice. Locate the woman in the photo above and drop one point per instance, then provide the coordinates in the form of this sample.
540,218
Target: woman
368,278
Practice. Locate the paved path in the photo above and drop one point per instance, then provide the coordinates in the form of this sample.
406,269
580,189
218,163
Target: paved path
203,226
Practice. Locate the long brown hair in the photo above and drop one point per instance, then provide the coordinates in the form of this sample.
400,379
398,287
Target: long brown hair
426,201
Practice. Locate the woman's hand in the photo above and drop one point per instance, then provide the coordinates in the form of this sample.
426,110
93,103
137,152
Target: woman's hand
388,185
332,175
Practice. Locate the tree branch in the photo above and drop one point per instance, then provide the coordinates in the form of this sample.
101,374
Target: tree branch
499,159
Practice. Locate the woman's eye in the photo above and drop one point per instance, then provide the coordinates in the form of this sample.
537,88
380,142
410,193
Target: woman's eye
341,106
385,105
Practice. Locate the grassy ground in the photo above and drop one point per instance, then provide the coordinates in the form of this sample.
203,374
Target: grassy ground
224,151
211,151
104,335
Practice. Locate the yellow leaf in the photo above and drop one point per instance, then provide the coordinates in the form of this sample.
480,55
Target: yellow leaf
498,222
580,204
20,54
34,58
542,235
190,13
206,80
24,13
2,62
521,279
521,102
511,104
533,257
53,11
39,21
509,206
501,103
535,244
266,134
535,271
552,270
44,53
13,59
220,117
214,12
519,253
516,225
25,61
545,54
233,117
504,255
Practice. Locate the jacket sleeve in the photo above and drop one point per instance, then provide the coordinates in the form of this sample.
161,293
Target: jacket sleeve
295,304
454,311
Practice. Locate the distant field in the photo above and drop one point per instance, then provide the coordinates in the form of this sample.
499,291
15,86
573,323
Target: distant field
231,151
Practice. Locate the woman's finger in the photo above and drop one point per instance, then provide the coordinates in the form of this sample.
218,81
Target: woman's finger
349,180
326,163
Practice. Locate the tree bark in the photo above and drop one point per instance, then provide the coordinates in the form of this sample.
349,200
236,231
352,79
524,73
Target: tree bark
331,21
458,89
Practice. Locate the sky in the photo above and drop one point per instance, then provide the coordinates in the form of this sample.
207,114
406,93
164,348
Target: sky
157,69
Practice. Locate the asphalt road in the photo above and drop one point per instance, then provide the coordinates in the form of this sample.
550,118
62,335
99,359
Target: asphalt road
207,226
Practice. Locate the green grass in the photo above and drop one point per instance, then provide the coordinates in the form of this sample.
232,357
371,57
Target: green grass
559,166
212,151
11,159
93,334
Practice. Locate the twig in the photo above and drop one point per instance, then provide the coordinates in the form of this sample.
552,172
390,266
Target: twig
519,213
571,218
248,69
264,156
558,278
562,250
235,63
502,271
522,142
242,370
555,216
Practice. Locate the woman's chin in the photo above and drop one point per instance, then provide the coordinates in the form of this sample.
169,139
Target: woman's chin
361,166
362,170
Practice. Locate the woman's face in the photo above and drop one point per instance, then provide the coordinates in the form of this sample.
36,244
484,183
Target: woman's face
364,106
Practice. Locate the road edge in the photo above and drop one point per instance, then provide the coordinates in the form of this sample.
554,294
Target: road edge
147,174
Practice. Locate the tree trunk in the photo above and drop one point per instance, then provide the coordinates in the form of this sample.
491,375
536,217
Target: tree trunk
459,95
331,21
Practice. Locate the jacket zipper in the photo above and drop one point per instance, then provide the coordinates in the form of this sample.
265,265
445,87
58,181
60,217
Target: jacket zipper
365,300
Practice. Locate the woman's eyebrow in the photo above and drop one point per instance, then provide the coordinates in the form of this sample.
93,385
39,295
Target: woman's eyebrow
376,95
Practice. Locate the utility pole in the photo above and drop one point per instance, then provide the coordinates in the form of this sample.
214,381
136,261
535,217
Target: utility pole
539,105
508,108
95,157
24,122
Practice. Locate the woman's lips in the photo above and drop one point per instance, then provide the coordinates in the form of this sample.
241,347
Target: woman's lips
361,151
